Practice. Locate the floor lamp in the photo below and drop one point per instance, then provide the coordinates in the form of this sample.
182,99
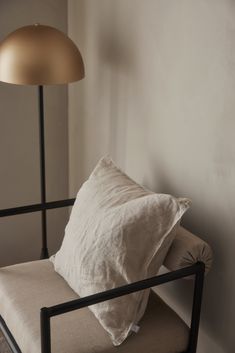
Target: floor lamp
39,55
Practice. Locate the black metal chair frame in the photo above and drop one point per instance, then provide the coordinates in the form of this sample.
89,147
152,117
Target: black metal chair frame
197,270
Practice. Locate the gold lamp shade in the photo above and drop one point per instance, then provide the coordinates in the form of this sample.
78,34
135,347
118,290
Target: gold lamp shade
39,55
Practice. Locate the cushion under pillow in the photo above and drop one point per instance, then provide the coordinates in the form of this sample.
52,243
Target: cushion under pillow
118,233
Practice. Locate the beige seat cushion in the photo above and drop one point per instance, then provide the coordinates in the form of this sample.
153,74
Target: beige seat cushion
25,288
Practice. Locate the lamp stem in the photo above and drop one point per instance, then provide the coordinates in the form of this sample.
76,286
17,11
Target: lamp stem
44,250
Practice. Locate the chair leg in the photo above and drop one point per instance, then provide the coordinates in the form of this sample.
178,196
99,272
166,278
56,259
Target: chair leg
45,331
8,336
196,311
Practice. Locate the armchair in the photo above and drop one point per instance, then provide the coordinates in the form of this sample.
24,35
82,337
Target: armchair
40,313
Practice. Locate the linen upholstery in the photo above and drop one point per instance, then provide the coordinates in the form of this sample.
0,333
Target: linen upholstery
187,249
25,288
117,234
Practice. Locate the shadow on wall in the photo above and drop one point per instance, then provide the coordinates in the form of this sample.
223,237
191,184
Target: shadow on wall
117,67
78,99
109,70
217,290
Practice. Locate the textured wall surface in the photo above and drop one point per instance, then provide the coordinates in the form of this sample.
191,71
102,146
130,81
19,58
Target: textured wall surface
159,96
19,152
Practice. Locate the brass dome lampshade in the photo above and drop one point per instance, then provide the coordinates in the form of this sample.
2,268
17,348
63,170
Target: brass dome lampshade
40,55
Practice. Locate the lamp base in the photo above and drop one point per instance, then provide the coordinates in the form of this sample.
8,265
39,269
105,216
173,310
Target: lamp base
44,254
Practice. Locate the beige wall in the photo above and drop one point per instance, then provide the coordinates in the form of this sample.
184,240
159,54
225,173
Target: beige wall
159,96
19,153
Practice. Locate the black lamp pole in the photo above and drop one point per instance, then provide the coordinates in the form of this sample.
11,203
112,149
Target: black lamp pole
40,67
43,206
44,250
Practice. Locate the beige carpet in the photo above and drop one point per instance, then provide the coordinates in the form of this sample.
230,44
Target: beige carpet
4,348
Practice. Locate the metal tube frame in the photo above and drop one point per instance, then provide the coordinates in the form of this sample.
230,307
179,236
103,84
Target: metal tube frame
36,207
197,269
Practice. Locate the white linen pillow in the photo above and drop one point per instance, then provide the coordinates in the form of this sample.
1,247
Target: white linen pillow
118,233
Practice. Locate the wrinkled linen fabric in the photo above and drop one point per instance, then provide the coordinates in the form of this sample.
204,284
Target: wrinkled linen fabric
118,233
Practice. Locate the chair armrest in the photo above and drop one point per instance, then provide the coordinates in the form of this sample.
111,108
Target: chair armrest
196,269
186,250
36,207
